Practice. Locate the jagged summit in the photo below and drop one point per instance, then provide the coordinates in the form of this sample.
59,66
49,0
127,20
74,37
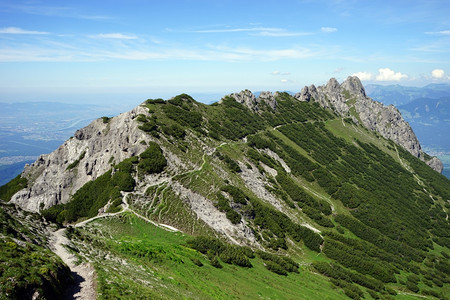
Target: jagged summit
349,99
354,86
247,98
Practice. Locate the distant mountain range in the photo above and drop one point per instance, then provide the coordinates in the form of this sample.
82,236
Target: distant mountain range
399,95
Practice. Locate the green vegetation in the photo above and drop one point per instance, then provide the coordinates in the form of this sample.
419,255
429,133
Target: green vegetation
320,195
161,265
152,160
27,266
76,162
12,187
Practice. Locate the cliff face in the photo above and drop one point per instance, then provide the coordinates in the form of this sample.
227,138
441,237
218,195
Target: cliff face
349,100
54,177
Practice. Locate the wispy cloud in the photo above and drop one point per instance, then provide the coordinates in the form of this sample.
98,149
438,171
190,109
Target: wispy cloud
269,55
97,52
280,73
442,45
55,11
226,30
328,29
283,33
119,36
442,32
259,31
16,30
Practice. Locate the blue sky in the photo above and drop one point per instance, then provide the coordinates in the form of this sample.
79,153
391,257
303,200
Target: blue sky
86,50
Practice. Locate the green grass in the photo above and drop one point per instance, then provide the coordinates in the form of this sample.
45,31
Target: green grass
145,261
171,274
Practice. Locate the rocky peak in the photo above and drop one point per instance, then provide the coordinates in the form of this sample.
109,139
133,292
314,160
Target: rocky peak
349,100
307,93
247,98
354,86
268,98
332,85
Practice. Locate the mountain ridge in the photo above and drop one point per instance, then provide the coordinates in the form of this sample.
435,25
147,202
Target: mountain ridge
276,183
373,115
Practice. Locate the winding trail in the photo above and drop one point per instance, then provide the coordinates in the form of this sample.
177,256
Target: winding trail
84,286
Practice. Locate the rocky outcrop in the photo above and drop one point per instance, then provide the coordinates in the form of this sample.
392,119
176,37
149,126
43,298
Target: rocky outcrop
349,99
436,164
247,98
268,98
54,177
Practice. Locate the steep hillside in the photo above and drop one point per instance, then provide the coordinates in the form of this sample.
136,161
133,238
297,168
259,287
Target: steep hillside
318,195
28,269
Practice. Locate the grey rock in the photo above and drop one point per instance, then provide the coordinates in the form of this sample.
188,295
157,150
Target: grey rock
307,93
247,98
436,164
268,98
52,182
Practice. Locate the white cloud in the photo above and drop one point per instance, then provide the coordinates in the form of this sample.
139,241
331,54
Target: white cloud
386,74
442,32
284,80
282,33
328,29
16,30
118,36
280,73
437,73
363,75
260,31
263,29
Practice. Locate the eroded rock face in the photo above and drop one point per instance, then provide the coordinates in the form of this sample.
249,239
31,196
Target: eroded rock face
268,98
247,98
54,177
436,164
349,99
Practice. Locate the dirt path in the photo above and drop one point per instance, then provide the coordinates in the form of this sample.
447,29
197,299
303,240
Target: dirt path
83,274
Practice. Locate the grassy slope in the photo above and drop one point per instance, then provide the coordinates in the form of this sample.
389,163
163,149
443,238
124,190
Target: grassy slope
27,266
174,275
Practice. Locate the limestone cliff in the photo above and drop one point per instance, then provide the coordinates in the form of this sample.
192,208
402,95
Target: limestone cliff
54,177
